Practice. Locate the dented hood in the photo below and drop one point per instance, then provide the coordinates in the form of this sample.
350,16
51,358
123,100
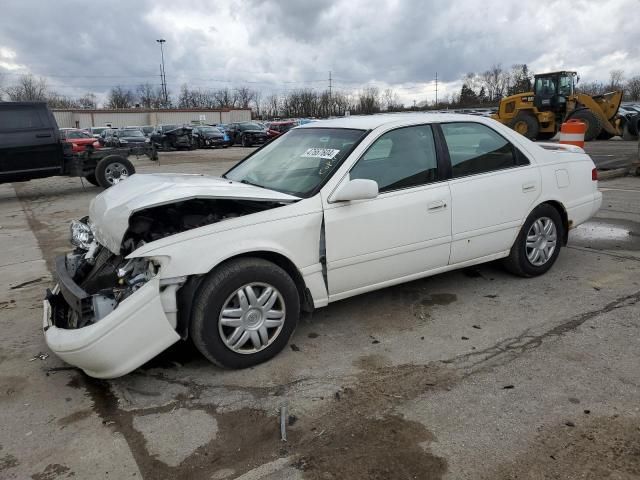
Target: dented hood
110,211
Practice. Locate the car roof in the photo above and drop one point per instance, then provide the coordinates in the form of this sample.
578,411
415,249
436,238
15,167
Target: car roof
369,122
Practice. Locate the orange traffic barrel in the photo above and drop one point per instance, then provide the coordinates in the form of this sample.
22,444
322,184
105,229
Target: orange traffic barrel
572,132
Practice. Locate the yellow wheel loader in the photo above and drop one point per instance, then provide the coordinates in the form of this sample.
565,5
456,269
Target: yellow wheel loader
539,114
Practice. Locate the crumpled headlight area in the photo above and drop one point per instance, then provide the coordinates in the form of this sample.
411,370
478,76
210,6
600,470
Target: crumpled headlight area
81,234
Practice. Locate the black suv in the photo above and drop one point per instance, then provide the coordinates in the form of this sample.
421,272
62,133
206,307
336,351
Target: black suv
246,134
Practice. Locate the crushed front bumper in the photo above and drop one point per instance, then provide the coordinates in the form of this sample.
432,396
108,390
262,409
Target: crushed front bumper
132,334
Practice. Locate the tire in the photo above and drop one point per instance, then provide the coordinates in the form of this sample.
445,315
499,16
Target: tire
545,135
520,261
113,169
593,124
634,125
91,178
220,289
245,141
166,145
626,133
526,124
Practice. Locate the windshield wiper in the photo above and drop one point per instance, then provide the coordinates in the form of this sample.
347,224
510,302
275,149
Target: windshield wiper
247,182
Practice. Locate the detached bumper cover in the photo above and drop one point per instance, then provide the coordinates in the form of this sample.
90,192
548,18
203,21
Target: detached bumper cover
135,332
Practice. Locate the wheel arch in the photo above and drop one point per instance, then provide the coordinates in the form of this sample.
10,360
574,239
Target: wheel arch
563,215
187,294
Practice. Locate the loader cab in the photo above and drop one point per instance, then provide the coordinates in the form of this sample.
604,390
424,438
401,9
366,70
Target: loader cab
552,90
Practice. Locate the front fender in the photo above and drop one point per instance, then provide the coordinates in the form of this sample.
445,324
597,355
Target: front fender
296,238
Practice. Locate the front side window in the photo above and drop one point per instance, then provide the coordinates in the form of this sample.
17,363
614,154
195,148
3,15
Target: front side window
20,118
475,148
299,162
401,158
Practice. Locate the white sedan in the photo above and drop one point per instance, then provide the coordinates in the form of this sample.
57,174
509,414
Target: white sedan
325,212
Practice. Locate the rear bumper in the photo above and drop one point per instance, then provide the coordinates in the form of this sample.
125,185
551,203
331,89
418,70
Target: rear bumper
132,334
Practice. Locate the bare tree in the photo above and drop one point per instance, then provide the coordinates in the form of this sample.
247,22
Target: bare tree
615,79
244,96
225,98
55,100
120,97
391,100
632,88
150,96
369,100
28,89
88,101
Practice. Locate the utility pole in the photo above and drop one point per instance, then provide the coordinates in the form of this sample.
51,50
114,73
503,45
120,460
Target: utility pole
436,89
163,76
330,102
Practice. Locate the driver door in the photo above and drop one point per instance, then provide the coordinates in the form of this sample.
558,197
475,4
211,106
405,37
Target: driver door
400,234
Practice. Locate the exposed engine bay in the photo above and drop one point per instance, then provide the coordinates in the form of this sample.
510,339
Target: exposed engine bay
162,221
93,281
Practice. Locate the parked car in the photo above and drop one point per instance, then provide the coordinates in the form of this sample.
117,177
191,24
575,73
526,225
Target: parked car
31,146
97,131
630,121
246,134
78,139
206,136
169,137
279,127
318,215
125,137
145,129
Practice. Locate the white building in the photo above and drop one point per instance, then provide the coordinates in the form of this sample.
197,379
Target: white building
141,116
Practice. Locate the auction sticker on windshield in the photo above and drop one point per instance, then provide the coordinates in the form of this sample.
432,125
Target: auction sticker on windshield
328,153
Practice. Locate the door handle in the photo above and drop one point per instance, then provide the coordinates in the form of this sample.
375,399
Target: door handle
43,135
529,187
437,205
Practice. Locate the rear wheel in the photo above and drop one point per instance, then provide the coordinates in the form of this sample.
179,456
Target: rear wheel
538,244
113,169
91,178
526,124
591,121
244,313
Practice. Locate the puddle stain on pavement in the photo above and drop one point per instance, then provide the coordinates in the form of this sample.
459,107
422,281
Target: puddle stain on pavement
604,234
357,434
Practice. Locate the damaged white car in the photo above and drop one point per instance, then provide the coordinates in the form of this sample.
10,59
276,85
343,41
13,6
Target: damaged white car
327,211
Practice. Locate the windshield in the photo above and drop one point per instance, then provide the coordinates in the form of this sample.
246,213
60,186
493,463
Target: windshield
166,128
208,130
298,162
132,133
98,129
75,134
250,126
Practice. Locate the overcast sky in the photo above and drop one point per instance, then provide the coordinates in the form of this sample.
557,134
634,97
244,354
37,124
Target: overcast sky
274,46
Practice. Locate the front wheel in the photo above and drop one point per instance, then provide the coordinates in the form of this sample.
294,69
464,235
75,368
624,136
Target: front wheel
538,244
245,141
113,169
245,313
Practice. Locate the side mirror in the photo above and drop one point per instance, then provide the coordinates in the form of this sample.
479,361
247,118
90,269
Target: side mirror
357,189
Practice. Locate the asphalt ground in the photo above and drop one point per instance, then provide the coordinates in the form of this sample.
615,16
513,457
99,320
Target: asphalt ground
473,374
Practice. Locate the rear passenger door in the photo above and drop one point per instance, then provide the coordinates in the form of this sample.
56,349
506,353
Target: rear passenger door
29,146
493,188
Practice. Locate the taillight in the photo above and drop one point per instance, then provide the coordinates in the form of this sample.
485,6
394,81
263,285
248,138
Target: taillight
594,174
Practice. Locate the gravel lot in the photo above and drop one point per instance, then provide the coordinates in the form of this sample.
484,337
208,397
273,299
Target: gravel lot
473,374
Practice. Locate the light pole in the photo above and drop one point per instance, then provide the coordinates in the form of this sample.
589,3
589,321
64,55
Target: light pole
163,76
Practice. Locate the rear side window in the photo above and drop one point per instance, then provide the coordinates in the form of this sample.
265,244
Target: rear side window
401,158
20,118
475,148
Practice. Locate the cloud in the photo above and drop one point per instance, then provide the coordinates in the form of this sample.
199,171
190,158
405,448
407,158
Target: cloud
285,44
